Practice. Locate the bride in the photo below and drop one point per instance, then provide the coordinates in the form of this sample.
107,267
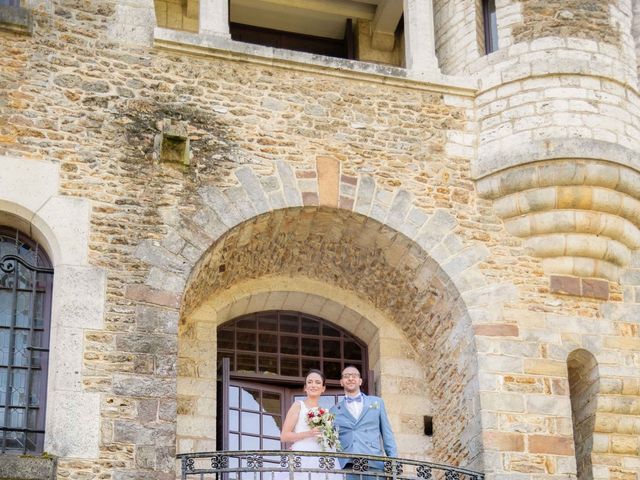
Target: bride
296,429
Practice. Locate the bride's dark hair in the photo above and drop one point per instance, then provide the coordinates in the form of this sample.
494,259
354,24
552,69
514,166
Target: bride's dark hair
315,370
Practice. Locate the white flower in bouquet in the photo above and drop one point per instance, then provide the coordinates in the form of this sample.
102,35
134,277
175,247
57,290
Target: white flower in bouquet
322,419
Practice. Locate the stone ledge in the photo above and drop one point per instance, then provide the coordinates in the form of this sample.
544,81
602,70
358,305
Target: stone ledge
16,19
18,467
221,47
495,159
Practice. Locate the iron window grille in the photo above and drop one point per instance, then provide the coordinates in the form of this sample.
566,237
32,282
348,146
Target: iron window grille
26,279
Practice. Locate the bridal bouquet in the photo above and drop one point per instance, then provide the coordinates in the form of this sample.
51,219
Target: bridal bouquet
323,419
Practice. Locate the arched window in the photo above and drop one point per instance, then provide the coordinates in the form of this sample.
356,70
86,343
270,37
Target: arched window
25,307
262,360
584,385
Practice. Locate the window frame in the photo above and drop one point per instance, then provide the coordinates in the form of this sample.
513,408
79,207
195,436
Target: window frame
490,26
339,335
29,432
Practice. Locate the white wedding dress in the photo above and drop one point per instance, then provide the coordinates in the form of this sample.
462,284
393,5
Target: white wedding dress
311,444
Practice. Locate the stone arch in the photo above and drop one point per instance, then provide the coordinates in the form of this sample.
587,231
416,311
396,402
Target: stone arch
217,211
364,262
194,237
584,386
29,200
387,345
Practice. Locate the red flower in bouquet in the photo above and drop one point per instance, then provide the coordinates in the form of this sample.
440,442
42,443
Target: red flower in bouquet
323,419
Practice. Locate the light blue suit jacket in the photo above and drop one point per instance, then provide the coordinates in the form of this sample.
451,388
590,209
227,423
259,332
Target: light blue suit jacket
369,433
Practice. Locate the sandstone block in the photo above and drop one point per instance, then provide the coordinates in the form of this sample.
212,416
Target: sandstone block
549,444
503,441
543,366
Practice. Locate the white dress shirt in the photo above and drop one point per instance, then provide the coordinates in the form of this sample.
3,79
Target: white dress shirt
355,408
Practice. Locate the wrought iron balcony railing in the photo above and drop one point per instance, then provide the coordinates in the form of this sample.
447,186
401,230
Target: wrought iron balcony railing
293,465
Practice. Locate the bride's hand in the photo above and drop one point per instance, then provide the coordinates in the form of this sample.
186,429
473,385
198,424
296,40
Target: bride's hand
314,432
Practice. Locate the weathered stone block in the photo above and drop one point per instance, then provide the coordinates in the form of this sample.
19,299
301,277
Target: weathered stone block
144,386
15,19
13,467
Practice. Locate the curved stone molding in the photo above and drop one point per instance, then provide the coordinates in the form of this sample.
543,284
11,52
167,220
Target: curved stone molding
495,158
581,216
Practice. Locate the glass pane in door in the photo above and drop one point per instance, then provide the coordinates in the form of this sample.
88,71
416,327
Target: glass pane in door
255,421
328,400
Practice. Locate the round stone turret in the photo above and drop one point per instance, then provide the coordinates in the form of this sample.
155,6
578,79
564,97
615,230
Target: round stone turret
559,126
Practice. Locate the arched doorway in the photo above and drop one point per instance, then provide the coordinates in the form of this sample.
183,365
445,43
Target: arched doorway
363,276
262,359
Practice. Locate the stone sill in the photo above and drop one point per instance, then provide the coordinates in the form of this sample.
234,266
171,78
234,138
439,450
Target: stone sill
26,467
223,47
16,20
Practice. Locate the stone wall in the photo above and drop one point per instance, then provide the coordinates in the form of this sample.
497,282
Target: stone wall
589,20
529,103
290,157
459,34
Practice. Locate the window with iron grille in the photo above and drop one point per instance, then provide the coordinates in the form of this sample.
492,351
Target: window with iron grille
25,305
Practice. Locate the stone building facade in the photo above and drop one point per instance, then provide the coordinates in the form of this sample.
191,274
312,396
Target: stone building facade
473,218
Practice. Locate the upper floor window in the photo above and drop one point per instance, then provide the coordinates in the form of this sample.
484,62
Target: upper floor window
11,3
340,47
490,26
365,30
25,307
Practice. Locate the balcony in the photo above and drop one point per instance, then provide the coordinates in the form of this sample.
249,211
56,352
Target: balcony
293,465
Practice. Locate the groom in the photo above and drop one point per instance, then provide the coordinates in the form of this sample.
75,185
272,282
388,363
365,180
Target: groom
363,426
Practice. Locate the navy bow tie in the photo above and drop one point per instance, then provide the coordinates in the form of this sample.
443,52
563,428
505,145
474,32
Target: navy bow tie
353,399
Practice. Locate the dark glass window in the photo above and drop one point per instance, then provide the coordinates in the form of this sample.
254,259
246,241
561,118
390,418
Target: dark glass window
340,48
11,3
25,307
490,25
287,344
